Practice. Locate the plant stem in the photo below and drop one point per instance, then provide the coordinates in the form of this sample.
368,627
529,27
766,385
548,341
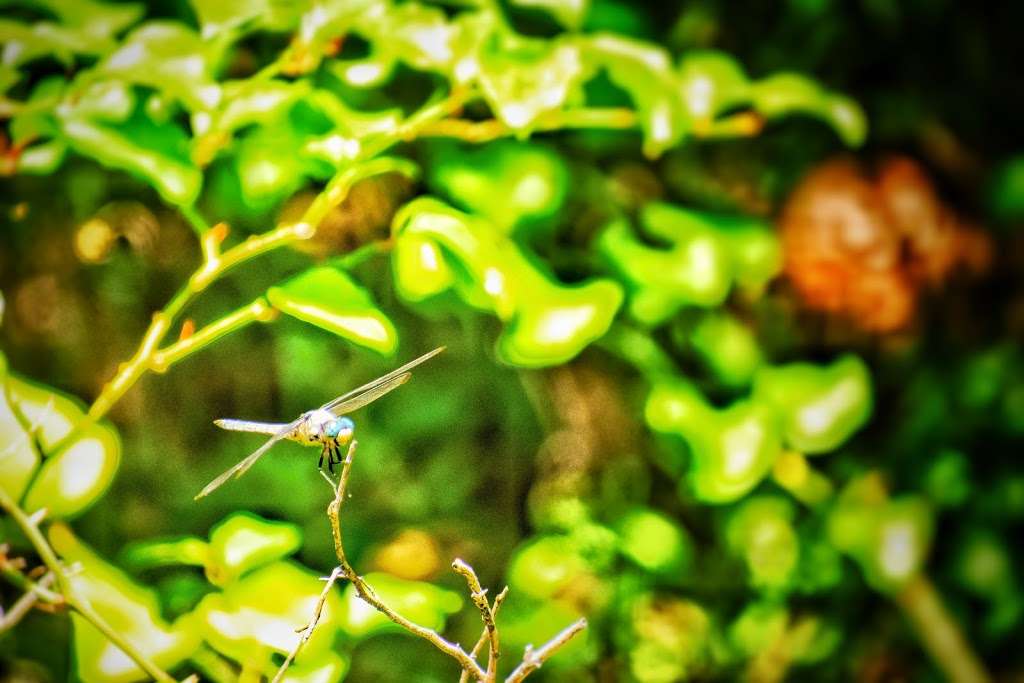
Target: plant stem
71,596
25,603
939,633
307,630
533,659
368,595
464,677
257,311
216,264
479,597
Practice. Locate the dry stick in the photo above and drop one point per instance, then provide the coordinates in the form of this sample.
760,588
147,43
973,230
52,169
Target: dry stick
367,594
71,596
307,630
533,659
464,677
24,604
478,595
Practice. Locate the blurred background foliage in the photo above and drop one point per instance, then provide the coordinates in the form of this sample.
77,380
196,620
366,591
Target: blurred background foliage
732,300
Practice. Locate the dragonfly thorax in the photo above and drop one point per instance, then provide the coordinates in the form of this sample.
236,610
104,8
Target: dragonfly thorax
319,426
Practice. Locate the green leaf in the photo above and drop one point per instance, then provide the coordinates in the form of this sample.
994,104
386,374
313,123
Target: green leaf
18,457
547,323
217,17
787,93
761,532
522,78
245,541
132,610
711,82
645,72
513,184
75,477
889,539
421,603
100,19
139,147
23,43
259,615
50,414
545,566
708,253
819,408
329,299
733,448
169,57
728,347
655,542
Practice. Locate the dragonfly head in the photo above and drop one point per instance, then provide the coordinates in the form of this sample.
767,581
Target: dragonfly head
340,428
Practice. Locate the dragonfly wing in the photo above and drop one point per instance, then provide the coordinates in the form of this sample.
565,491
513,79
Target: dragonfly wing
369,396
352,399
246,426
241,467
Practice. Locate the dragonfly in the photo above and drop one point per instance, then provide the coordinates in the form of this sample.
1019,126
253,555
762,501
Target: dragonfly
328,427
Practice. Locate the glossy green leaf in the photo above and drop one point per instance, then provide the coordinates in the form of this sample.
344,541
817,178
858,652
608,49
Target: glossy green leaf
169,57
122,147
185,550
545,566
889,539
711,83
655,542
244,541
219,16
554,323
49,414
645,72
523,78
819,407
728,347
762,533
97,18
329,299
75,477
547,322
132,610
788,93
420,268
419,602
733,448
24,43
18,458
512,184
260,615
708,254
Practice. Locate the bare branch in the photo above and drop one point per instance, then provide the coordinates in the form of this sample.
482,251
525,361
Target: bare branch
366,592
307,630
479,596
533,659
25,603
464,678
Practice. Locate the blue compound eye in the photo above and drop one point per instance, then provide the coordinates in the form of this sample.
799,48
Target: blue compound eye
336,427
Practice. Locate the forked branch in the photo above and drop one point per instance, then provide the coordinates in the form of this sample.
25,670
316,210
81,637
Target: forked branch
488,611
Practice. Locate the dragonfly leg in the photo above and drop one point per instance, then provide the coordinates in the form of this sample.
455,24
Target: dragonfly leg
320,463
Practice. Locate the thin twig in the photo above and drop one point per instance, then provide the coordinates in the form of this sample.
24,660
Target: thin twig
24,604
464,678
478,594
71,596
533,659
307,630
366,592
939,633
